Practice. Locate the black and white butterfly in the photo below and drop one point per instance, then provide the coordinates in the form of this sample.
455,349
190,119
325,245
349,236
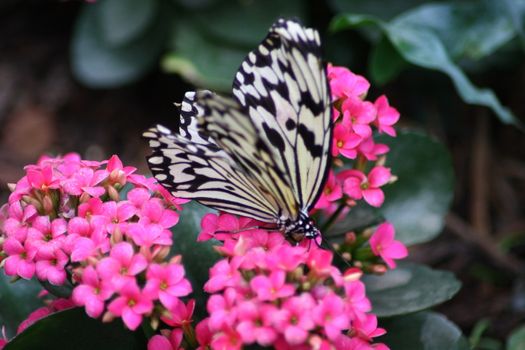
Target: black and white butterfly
264,153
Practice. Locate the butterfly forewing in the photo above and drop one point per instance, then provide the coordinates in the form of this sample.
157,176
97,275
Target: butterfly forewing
283,87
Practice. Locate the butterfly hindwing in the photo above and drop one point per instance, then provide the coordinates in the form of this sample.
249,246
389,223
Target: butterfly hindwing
206,173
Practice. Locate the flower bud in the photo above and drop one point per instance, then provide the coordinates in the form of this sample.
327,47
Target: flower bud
113,193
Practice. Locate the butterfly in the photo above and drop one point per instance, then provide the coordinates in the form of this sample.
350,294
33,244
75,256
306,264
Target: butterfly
263,153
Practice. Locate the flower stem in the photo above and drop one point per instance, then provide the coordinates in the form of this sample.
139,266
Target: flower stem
334,217
189,335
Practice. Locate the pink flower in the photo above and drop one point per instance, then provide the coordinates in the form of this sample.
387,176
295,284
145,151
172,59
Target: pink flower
167,283
93,206
358,115
344,83
383,244
86,180
20,258
295,318
370,150
116,216
19,220
223,274
272,287
357,302
122,265
50,266
228,339
146,235
225,223
222,309
179,314
366,327
255,323
204,334
45,235
33,317
332,192
154,212
117,172
345,141
92,292
328,315
387,116
131,305
357,185
42,178
170,342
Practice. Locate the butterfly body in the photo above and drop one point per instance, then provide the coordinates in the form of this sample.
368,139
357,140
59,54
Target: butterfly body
264,153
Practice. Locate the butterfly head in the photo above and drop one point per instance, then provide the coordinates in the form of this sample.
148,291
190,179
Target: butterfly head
301,228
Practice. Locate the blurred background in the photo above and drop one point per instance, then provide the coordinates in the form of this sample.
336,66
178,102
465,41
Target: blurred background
90,77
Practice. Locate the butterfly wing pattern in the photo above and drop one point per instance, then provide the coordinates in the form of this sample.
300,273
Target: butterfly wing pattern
265,152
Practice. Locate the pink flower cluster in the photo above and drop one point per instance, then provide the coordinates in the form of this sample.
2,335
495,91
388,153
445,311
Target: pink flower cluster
269,292
65,221
354,122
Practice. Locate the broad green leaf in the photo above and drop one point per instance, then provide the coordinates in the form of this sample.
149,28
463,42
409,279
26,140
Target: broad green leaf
123,21
73,329
516,340
419,200
385,62
421,46
470,30
376,8
202,60
17,301
98,64
197,257
422,331
409,288
246,22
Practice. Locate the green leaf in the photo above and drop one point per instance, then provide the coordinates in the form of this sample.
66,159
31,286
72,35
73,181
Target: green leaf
422,331
419,200
516,340
385,62
421,46
17,301
246,23
123,21
202,60
197,257
409,288
72,328
376,8
98,64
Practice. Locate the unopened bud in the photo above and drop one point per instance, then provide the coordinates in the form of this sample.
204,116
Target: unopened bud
113,193
352,274
347,256
381,160
338,162
176,259
378,269
393,178
116,236
154,323
160,253
350,238
47,203
11,187
84,197
368,233
108,317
